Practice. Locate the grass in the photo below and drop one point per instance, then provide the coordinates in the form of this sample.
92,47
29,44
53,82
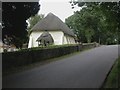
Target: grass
113,79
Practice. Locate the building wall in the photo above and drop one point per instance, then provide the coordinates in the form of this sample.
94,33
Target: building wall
72,40
1,46
33,38
68,39
65,40
1,49
57,37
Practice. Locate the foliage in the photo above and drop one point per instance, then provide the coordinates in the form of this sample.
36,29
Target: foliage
96,17
84,23
44,47
14,19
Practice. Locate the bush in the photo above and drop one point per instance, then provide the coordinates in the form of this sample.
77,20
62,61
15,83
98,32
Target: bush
31,55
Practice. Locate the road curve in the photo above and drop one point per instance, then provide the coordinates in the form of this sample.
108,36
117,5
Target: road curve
83,70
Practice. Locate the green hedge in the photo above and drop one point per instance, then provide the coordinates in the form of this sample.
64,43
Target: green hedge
28,56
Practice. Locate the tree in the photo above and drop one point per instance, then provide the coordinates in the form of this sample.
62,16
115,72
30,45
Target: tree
14,19
110,11
74,23
33,20
85,24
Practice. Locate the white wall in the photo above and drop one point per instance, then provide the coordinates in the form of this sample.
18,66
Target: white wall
57,37
68,39
1,46
65,39
1,49
32,40
30,44
72,40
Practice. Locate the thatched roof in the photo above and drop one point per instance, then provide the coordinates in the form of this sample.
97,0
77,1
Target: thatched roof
52,22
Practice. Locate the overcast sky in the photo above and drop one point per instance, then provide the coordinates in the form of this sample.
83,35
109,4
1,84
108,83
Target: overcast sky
60,8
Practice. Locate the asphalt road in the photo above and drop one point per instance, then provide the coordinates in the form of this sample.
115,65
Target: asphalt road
83,70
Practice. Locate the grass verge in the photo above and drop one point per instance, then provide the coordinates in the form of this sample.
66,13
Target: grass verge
113,79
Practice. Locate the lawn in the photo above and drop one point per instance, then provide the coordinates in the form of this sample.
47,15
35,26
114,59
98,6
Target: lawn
113,79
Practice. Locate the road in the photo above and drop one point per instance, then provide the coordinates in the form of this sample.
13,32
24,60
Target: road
87,69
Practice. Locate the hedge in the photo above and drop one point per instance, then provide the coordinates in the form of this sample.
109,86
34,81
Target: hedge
29,56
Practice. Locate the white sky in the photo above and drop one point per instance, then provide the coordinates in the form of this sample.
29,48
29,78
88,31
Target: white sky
60,8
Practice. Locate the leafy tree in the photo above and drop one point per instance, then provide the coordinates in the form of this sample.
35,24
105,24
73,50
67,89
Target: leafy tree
104,20
14,19
74,22
84,23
